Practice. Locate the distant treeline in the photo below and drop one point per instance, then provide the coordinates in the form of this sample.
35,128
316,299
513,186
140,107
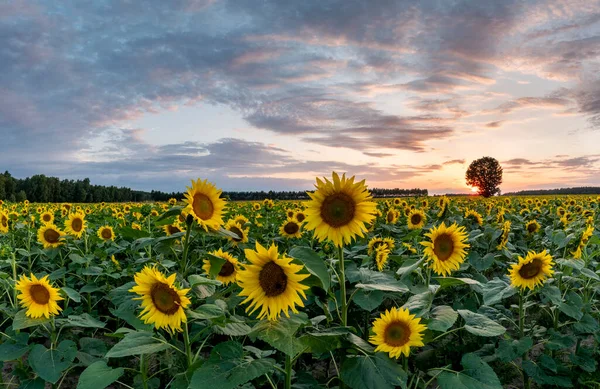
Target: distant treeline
43,189
561,191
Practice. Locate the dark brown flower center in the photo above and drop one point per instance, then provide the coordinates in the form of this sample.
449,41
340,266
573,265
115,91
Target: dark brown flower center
338,209
300,217
390,216
227,269
532,269
531,228
416,218
173,229
443,247
238,232
106,234
39,294
165,298
397,334
51,236
76,224
291,228
47,217
203,206
4,221
290,214
272,279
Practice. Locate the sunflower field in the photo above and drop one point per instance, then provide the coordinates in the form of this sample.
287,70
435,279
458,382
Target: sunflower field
341,291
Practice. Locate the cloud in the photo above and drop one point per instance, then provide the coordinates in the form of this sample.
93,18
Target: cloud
455,162
531,103
495,124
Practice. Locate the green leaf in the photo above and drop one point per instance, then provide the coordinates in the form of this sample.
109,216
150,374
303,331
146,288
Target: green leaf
84,320
280,334
90,288
419,304
92,271
21,321
137,343
572,263
476,375
542,378
510,350
173,211
452,281
322,342
588,273
495,291
368,299
216,263
480,325
377,371
573,306
232,329
72,294
409,266
442,318
313,263
203,286
99,375
387,285
92,346
552,293
480,263
206,312
49,364
14,347
587,325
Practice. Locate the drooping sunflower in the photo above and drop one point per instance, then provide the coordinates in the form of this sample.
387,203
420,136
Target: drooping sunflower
447,249
47,217
229,270
241,232
50,236
271,282
3,222
474,216
391,217
532,227
504,236
444,203
339,209
75,224
241,220
375,243
408,246
162,302
396,331
532,270
290,229
171,229
381,257
106,233
38,296
136,226
585,237
205,204
416,219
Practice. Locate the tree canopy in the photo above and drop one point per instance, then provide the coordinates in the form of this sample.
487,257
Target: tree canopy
486,175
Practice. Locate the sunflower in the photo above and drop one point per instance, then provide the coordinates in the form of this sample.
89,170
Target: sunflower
585,237
75,224
171,229
409,248
3,222
241,220
47,217
290,229
289,213
172,201
237,229
396,331
447,249
560,211
416,219
532,270
375,243
532,227
50,236
381,257
106,233
205,204
229,270
391,217
271,282
136,226
504,236
256,206
339,209
397,201
300,216
163,302
474,216
38,296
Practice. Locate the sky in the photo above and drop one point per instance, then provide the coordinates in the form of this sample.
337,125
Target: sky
267,95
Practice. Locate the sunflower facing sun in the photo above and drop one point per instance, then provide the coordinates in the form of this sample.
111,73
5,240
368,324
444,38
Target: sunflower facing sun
339,209
106,233
205,204
50,236
271,282
396,331
447,249
290,229
75,224
163,303
229,270
38,296
532,270
416,219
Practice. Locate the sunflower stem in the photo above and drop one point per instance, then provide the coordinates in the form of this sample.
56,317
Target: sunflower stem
13,264
188,346
186,248
288,372
143,372
342,281
522,332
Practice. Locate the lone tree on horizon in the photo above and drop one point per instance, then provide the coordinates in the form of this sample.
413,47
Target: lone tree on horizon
486,175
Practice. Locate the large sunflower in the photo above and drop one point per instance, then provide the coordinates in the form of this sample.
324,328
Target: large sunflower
106,233
50,236
290,229
447,249
396,331
239,230
38,296
162,301
205,204
531,270
229,270
271,282
339,209
75,224
416,219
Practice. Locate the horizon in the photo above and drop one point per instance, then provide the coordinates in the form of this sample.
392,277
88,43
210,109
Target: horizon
268,96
